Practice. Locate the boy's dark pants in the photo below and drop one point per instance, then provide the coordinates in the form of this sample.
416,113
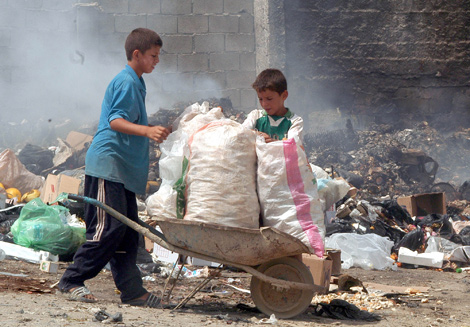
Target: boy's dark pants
108,240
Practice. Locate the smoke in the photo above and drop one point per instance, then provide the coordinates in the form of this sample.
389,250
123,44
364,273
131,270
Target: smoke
54,77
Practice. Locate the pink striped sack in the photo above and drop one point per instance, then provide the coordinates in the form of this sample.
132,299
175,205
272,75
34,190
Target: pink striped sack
287,192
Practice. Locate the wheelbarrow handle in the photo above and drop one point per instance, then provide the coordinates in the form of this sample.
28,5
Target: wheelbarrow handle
119,216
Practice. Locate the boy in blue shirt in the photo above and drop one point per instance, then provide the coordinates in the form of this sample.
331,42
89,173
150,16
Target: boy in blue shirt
116,168
274,121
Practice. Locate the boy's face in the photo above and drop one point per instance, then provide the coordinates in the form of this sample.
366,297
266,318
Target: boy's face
273,102
145,62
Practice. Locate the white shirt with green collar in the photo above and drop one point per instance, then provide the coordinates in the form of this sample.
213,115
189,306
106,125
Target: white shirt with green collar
277,127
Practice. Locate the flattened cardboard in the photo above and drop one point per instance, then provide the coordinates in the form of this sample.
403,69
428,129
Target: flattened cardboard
56,184
424,204
77,140
320,270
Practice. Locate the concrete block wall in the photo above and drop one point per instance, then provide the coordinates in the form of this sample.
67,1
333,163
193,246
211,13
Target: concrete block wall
380,61
78,45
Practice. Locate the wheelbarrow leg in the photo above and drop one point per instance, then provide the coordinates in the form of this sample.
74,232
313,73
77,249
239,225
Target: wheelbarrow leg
197,289
173,283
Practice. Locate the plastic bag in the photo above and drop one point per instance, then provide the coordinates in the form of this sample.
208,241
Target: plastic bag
288,194
43,227
368,251
332,190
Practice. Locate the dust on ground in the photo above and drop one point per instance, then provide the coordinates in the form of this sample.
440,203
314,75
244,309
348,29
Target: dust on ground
27,299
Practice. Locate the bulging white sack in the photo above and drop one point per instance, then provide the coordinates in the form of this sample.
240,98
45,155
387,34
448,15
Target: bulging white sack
288,194
221,177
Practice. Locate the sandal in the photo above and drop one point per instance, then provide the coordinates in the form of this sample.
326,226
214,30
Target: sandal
78,294
152,301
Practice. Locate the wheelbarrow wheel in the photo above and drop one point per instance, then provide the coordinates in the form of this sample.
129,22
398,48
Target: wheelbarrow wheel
283,302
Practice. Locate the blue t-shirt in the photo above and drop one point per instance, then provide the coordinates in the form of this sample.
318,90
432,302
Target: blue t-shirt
116,156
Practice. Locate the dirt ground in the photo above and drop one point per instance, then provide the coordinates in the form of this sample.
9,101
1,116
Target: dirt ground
27,299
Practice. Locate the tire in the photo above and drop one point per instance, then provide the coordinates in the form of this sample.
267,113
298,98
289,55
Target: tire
282,302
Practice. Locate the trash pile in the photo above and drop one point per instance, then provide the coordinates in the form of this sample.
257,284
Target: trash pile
361,176
385,161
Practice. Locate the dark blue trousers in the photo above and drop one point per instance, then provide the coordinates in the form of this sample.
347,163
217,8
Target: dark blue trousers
107,240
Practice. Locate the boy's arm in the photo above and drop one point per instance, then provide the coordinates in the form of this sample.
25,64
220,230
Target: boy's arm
297,128
156,133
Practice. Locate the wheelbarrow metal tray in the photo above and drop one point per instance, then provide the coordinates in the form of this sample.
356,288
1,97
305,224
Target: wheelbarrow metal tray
244,246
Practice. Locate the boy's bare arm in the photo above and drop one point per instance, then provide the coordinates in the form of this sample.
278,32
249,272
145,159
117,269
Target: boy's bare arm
267,138
156,133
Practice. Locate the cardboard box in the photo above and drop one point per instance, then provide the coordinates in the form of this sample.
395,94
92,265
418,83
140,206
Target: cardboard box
56,184
49,266
164,255
203,263
424,204
335,256
78,140
320,270
148,243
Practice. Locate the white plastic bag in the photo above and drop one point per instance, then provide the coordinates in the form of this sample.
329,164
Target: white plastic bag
288,194
332,190
368,251
221,177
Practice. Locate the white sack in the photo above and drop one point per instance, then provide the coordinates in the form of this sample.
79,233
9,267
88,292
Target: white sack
164,202
288,194
14,174
221,177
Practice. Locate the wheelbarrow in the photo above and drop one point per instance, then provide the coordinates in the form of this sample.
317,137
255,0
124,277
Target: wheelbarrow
281,284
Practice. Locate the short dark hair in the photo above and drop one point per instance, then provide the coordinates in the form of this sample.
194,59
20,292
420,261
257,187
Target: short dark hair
141,39
270,79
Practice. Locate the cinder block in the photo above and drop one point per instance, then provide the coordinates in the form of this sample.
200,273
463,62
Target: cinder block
209,43
248,61
5,37
237,79
233,95
174,83
42,20
176,7
208,6
193,24
126,23
240,42
193,62
115,6
224,61
223,24
248,99
10,17
58,4
30,4
247,24
113,43
168,63
237,6
177,43
5,75
144,6
163,23
209,81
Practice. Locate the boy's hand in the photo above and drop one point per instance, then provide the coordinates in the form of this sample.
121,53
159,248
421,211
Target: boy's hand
158,133
267,138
